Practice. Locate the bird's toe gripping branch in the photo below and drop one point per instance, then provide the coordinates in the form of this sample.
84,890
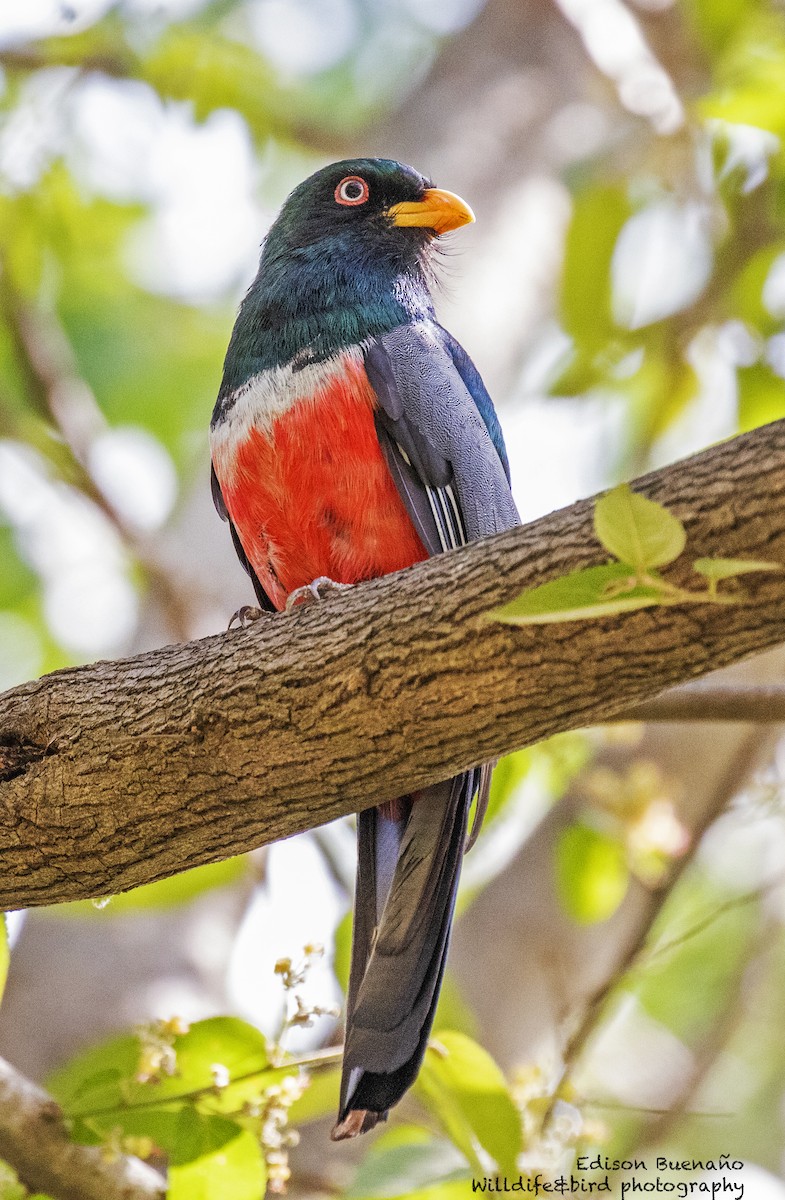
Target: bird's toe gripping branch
315,590
245,616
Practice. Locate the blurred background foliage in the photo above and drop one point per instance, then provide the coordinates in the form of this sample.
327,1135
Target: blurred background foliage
619,951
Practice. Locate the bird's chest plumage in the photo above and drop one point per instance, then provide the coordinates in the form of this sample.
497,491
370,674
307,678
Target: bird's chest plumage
304,479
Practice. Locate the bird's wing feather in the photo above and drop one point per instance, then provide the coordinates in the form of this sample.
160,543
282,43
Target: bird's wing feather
479,394
220,504
432,424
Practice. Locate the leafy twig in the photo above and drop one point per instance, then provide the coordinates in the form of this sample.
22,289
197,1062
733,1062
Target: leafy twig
643,536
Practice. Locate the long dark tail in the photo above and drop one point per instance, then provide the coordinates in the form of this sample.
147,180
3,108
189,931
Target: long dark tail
408,867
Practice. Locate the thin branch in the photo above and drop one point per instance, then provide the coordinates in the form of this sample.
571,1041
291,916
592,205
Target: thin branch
317,1060
119,773
757,704
34,1139
710,918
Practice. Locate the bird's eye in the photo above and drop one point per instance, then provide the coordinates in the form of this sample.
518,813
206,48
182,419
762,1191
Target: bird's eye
352,190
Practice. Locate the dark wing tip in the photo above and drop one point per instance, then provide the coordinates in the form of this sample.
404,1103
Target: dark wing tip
218,500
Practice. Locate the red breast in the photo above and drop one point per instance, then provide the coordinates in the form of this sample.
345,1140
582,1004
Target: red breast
309,492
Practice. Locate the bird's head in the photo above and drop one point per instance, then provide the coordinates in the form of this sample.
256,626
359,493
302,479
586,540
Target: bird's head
372,207
346,258
358,229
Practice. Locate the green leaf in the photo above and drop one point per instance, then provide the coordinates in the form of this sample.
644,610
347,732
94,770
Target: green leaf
214,73
508,777
209,71
660,391
168,390
319,1099
342,950
22,648
223,1167
576,597
199,1135
636,530
716,20
103,1079
591,873
599,214
524,786
10,1187
761,396
760,101
168,1126
727,568
573,375
150,360
17,580
166,893
746,295
463,1087
403,1162
452,1011
558,760
751,76
96,1079
5,954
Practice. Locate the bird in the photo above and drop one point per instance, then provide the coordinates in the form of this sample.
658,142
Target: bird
352,437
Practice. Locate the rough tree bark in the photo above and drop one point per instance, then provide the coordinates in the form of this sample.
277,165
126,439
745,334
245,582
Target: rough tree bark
119,773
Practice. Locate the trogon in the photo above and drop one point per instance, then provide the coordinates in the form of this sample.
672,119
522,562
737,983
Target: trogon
353,436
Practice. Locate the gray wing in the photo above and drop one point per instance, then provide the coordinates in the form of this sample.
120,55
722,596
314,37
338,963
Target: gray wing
436,426
449,473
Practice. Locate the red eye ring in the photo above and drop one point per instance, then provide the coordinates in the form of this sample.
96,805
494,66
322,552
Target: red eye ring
347,192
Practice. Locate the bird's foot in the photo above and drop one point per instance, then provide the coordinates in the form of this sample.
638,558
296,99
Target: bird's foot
315,590
245,616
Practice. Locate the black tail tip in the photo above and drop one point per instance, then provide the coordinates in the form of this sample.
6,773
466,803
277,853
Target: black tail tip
357,1121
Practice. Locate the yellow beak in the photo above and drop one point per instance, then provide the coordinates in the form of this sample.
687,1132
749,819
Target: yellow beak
438,210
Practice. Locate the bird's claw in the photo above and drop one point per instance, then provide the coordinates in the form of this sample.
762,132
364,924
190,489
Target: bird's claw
245,616
315,590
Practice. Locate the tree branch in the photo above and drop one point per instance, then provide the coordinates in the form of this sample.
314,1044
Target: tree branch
757,703
34,1139
116,774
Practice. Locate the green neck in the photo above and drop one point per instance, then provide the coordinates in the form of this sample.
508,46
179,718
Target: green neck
314,305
